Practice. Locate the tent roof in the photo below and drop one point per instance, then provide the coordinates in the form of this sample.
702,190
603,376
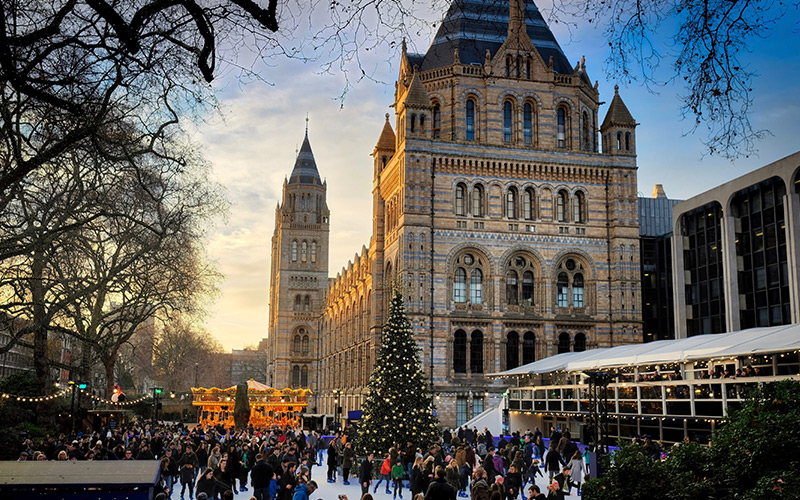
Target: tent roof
96,473
753,341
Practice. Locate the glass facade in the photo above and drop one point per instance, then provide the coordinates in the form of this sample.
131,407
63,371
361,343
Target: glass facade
763,273
702,259
656,259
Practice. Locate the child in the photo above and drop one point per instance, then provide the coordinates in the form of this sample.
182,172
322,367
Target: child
397,478
386,470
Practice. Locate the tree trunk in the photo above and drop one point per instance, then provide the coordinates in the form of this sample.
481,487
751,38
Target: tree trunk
108,364
41,362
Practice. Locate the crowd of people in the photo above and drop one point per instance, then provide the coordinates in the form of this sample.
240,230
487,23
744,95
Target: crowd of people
274,464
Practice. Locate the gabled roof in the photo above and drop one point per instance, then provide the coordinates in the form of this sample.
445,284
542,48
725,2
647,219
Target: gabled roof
305,167
474,26
618,113
387,139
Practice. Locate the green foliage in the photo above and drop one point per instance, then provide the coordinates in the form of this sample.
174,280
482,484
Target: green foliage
16,417
241,410
398,407
753,456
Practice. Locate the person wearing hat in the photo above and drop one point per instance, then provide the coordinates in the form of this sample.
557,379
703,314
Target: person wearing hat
23,457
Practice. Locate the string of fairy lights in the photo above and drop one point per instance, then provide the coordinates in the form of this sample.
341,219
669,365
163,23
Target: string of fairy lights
65,392
110,402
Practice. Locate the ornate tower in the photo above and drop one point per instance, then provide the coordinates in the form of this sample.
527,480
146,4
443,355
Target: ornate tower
299,274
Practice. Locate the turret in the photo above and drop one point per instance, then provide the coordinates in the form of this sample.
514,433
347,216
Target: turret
619,128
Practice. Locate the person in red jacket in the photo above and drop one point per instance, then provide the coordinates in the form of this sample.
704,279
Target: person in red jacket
386,470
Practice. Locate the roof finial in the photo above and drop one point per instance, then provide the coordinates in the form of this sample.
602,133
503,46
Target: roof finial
616,89
306,124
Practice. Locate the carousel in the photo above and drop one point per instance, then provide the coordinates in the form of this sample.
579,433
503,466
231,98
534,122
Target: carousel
268,407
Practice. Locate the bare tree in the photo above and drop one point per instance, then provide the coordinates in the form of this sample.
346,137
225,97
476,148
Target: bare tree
182,350
707,53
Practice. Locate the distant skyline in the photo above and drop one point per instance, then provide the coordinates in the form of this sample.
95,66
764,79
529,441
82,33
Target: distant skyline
253,146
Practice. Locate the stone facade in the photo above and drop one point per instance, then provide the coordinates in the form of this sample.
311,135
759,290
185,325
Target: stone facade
512,236
299,275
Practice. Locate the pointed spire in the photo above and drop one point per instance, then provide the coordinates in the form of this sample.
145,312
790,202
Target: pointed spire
618,113
305,167
387,139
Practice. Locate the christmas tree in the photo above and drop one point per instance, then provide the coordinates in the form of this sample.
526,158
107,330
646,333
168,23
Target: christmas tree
398,407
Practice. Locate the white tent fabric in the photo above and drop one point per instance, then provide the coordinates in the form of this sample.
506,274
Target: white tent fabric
754,341
547,365
491,418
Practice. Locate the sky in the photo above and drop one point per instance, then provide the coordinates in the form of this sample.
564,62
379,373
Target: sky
252,144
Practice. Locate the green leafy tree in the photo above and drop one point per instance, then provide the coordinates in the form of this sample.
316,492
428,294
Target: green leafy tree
752,456
399,406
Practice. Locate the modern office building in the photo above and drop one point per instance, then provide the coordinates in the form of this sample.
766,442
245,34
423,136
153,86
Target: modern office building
737,253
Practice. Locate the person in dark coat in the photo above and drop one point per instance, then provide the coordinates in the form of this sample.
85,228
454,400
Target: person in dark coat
205,484
440,489
287,482
553,461
365,474
513,482
260,476
333,461
417,478
488,465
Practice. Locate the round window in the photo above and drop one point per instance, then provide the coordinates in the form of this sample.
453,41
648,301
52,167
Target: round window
468,259
520,262
570,264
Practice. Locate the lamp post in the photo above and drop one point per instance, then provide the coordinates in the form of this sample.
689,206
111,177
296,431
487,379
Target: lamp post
196,367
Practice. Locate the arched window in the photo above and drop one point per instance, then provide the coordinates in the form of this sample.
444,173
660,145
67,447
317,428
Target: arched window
508,65
563,342
627,141
305,344
561,206
619,141
512,350
460,285
294,251
528,68
570,284
476,287
413,122
580,342
422,123
470,120
561,132
527,121
477,201
518,67
519,265
586,136
528,348
461,195
577,290
562,290
527,288
313,251
511,288
578,208
297,344
460,352
528,204
511,203
437,120
304,376
295,376
307,303
476,352
508,117
303,251
298,303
